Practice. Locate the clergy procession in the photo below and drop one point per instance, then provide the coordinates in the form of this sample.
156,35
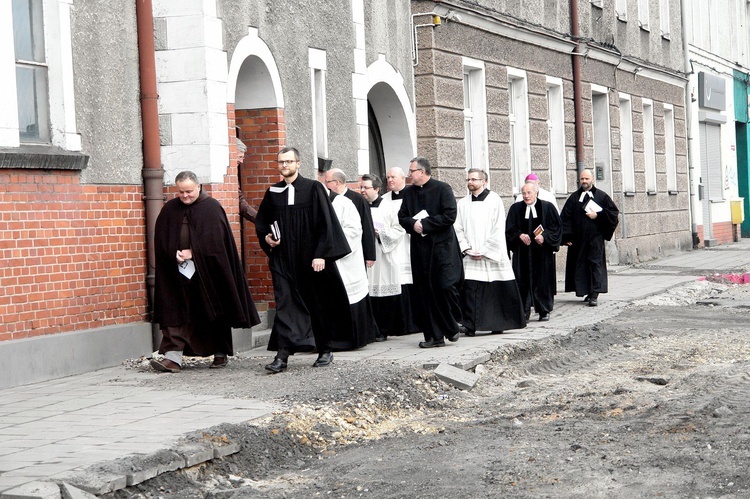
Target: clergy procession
351,268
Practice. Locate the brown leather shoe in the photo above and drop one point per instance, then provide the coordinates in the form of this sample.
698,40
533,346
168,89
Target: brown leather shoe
219,362
165,366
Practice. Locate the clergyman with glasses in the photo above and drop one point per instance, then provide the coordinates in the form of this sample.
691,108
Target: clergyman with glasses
299,232
427,213
490,300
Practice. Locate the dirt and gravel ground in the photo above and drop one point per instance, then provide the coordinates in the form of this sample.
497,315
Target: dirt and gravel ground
653,403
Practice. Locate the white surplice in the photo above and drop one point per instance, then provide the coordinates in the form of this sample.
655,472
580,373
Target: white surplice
480,228
352,266
392,268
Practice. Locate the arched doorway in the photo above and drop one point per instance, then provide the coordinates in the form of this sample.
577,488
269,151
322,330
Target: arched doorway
392,130
255,108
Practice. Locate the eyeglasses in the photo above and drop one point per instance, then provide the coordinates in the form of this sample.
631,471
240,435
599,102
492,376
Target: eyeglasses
366,187
287,161
332,180
415,170
474,179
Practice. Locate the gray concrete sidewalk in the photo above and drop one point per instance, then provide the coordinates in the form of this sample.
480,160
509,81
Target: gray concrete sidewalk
54,431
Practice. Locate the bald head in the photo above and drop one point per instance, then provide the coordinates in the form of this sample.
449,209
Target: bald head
335,180
586,180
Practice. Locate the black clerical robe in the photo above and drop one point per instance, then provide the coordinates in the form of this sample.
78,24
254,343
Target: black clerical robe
368,231
309,229
586,265
435,258
216,298
534,265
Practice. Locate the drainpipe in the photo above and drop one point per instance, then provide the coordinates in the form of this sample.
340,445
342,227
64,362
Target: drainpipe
688,117
153,174
577,105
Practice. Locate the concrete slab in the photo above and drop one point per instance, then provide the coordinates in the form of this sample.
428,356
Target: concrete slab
70,492
464,380
33,490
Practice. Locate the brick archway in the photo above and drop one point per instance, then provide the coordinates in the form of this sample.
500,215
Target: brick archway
263,132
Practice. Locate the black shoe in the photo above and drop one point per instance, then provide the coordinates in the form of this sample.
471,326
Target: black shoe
496,332
324,359
380,338
276,366
544,317
466,331
593,303
587,299
431,344
454,337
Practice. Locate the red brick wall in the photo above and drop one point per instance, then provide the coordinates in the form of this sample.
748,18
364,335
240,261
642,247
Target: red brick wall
264,132
723,232
72,256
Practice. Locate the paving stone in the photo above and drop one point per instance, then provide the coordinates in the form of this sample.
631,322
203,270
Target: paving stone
195,453
226,449
33,490
142,468
457,377
97,481
70,492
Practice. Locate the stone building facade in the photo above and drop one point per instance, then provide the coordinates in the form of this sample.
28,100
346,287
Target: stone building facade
496,89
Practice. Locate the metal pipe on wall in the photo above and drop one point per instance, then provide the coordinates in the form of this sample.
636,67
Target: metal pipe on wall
153,174
577,98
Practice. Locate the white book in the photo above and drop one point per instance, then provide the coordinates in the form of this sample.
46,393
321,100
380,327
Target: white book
592,206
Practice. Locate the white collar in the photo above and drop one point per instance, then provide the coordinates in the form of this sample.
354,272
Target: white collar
531,210
290,197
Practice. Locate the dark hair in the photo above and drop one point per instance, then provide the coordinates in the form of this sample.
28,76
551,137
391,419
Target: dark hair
376,182
186,175
289,149
423,164
478,170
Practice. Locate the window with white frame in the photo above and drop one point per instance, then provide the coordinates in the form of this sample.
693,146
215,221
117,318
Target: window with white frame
317,62
31,71
556,135
643,14
669,148
518,116
621,10
475,114
37,92
597,3
649,150
664,18
626,144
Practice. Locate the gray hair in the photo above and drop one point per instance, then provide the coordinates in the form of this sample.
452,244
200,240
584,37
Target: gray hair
186,175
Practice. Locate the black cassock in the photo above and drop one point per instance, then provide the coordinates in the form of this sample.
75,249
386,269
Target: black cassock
534,265
309,229
436,265
586,265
